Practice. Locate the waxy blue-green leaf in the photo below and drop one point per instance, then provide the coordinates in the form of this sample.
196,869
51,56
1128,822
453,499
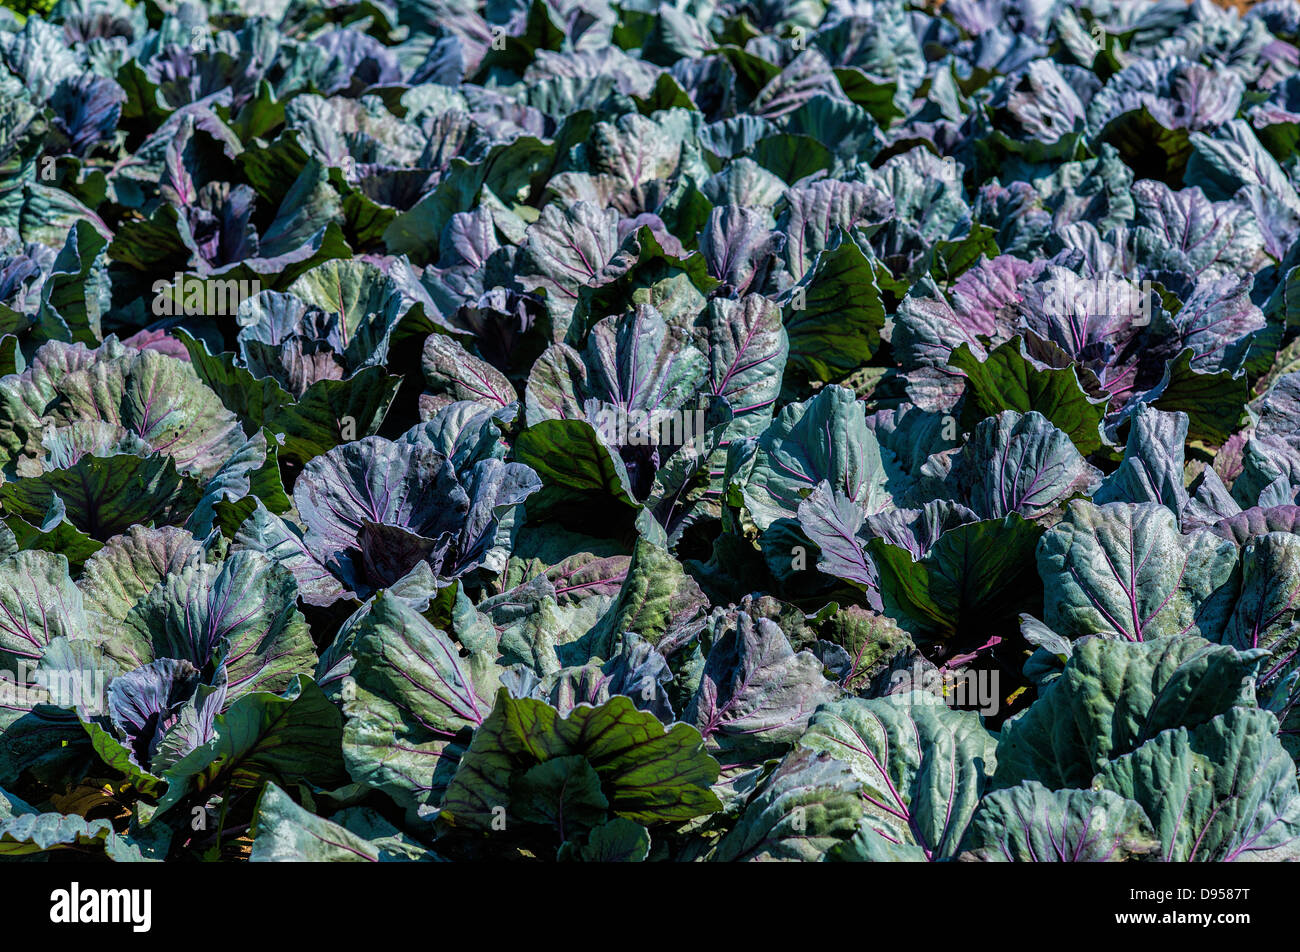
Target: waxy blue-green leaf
38,603
815,210
825,438
156,397
1222,792
285,544
922,768
77,292
244,608
564,250
1223,163
747,347
1152,468
284,832
1123,570
1264,617
652,269
27,834
756,693
838,527
368,302
1212,399
1184,231
634,362
1114,696
1018,463
656,597
811,803
325,415
453,373
413,700
1032,824
1265,612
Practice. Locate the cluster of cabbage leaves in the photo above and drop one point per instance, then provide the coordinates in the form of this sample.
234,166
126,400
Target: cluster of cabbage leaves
587,430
